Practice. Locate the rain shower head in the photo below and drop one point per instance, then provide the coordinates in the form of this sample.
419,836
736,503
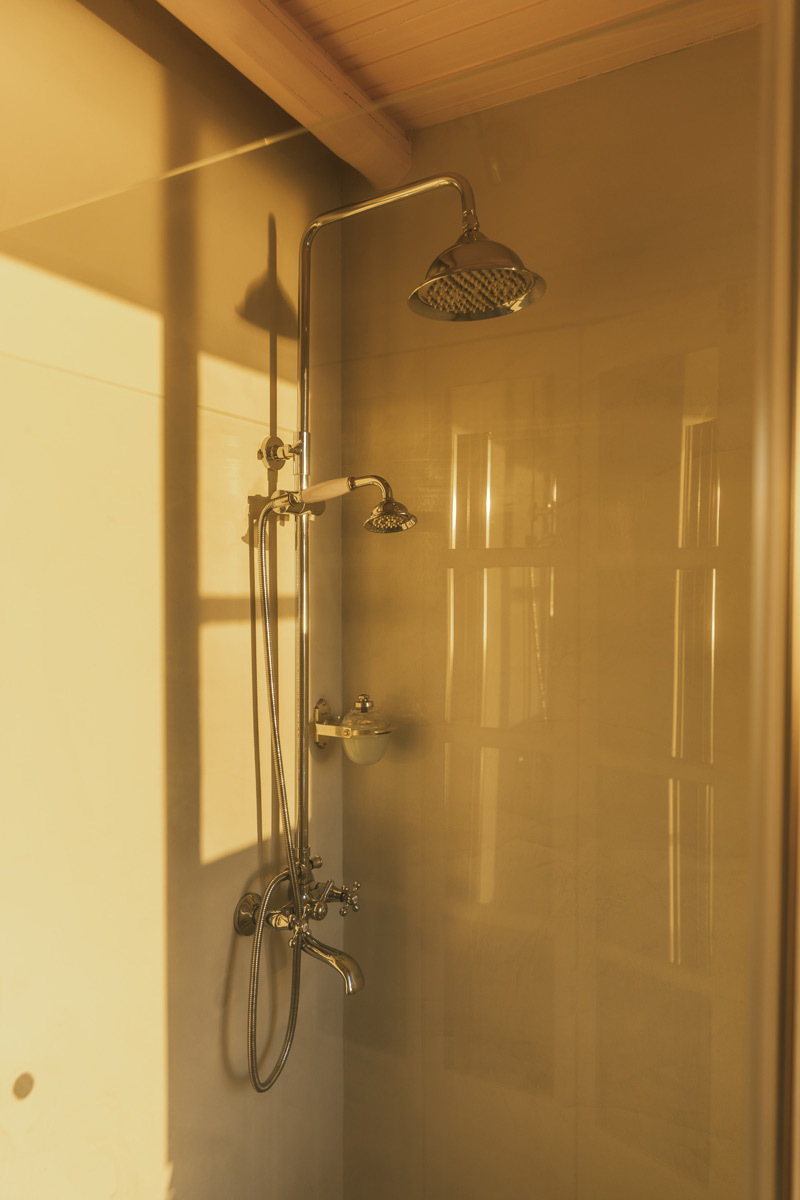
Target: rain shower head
390,516
475,279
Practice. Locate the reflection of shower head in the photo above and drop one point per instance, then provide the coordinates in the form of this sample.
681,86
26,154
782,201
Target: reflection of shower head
475,279
390,516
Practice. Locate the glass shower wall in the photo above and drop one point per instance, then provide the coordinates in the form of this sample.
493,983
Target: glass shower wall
554,851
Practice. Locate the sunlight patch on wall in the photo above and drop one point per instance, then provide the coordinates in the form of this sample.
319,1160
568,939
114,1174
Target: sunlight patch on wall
234,406
55,322
81,644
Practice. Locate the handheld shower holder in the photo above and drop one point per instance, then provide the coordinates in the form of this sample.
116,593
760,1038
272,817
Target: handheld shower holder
290,504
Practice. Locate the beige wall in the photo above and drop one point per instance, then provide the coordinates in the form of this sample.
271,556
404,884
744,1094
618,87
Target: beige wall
134,400
553,852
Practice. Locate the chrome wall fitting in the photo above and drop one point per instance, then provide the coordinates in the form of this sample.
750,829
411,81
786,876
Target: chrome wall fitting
246,913
325,724
275,453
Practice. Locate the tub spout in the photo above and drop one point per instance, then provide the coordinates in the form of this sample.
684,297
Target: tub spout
347,967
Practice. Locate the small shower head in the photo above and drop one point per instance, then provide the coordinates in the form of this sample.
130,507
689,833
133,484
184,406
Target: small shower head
475,279
390,516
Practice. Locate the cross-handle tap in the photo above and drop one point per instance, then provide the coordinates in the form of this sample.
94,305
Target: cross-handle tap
348,897
320,893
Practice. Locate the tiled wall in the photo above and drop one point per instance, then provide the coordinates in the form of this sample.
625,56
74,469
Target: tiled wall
553,851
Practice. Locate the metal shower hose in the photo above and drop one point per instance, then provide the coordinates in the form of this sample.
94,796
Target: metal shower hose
263,1085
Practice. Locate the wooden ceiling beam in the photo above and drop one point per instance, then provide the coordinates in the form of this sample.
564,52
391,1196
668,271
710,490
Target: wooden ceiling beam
268,47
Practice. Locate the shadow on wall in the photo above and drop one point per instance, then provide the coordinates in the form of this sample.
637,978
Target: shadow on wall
206,1008
267,306
214,886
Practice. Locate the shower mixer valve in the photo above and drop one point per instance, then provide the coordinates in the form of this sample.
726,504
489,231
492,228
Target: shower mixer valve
320,893
315,906
251,916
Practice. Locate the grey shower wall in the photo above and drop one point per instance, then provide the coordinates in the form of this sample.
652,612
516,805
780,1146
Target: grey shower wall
553,852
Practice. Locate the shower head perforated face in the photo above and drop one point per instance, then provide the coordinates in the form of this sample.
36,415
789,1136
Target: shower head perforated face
389,517
475,279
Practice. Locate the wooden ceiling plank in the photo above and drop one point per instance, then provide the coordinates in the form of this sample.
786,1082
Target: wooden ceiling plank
422,66
540,21
465,48
427,16
490,39
554,67
334,13
272,50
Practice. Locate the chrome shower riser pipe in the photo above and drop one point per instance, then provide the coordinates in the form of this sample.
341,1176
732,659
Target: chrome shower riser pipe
469,223
302,697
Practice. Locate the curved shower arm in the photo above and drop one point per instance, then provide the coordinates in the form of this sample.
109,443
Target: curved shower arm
417,188
469,223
